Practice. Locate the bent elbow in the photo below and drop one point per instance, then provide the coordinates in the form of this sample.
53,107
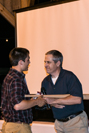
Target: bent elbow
79,100
16,107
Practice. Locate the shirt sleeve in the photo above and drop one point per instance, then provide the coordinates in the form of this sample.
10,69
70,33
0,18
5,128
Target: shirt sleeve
17,92
74,86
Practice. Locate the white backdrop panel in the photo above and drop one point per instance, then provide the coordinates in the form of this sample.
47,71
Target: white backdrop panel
64,27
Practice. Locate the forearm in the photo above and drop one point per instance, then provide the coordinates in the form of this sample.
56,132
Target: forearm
70,100
25,104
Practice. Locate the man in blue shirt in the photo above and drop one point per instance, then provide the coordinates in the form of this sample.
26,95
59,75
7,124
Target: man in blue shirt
68,112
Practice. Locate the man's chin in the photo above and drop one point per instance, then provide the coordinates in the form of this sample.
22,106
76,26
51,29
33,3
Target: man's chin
26,69
47,72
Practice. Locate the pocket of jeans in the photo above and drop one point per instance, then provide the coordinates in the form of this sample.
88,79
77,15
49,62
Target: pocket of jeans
84,120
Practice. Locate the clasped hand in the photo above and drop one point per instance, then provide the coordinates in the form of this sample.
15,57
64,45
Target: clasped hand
41,101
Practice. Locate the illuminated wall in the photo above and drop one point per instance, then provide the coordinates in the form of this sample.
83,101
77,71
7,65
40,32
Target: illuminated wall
64,27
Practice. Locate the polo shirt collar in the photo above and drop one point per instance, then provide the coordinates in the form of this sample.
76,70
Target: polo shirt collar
60,75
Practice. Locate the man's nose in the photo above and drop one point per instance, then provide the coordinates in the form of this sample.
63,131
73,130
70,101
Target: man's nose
29,61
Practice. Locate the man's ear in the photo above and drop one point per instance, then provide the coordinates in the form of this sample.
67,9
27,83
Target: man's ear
20,62
58,63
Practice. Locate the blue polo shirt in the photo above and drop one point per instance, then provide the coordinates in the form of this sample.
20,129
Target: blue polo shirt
67,83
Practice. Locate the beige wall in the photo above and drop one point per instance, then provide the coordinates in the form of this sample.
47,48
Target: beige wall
64,27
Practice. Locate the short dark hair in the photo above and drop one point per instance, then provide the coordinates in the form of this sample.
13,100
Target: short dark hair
57,56
17,54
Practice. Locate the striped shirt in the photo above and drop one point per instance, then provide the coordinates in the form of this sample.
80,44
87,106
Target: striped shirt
13,90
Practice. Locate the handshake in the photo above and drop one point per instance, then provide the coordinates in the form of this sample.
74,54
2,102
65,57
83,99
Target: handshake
41,101
44,101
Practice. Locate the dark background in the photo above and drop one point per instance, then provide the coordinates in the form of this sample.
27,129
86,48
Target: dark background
7,31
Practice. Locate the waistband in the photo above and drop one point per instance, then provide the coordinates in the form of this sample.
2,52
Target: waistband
18,122
69,117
